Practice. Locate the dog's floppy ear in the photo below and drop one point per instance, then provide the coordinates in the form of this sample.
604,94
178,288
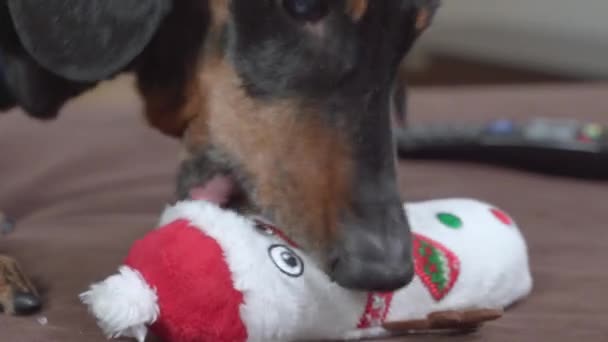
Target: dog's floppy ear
26,84
86,40
167,75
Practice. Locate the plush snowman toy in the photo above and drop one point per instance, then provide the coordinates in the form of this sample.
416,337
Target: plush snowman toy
208,274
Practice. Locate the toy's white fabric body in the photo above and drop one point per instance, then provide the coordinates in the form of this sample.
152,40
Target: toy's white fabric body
468,256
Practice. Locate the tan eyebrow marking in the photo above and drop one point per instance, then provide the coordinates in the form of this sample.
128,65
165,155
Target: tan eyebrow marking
356,9
423,19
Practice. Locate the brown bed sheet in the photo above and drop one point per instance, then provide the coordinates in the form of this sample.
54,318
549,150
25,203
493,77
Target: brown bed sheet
84,187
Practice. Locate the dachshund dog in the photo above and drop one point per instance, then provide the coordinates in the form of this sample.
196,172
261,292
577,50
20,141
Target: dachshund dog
283,105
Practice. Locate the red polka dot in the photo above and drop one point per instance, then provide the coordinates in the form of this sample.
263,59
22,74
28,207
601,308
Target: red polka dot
502,217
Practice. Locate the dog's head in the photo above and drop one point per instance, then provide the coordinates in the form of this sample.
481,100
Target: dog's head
293,97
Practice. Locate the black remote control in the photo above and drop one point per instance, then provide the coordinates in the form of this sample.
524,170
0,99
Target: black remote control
563,147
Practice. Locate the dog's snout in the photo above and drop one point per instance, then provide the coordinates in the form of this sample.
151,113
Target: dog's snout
366,275
374,254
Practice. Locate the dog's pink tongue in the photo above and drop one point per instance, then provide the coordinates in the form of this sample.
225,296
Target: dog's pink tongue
217,190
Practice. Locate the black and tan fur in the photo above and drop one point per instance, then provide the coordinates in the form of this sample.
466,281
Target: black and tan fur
291,98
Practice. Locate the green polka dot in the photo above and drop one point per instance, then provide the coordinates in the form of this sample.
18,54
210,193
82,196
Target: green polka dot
450,220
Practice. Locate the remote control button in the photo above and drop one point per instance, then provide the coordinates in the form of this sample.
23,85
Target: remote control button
584,139
501,127
593,131
552,131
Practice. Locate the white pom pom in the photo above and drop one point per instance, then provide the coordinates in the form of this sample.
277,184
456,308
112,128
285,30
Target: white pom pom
124,304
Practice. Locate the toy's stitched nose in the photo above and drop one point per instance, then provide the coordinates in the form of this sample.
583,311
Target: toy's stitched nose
375,253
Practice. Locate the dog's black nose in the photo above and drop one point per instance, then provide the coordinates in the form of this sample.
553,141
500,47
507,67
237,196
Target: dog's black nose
374,255
372,275
26,303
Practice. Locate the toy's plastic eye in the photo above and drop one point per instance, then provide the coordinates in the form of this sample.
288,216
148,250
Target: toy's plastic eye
307,10
286,260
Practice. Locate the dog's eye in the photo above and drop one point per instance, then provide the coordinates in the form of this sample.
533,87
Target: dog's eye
286,260
307,10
